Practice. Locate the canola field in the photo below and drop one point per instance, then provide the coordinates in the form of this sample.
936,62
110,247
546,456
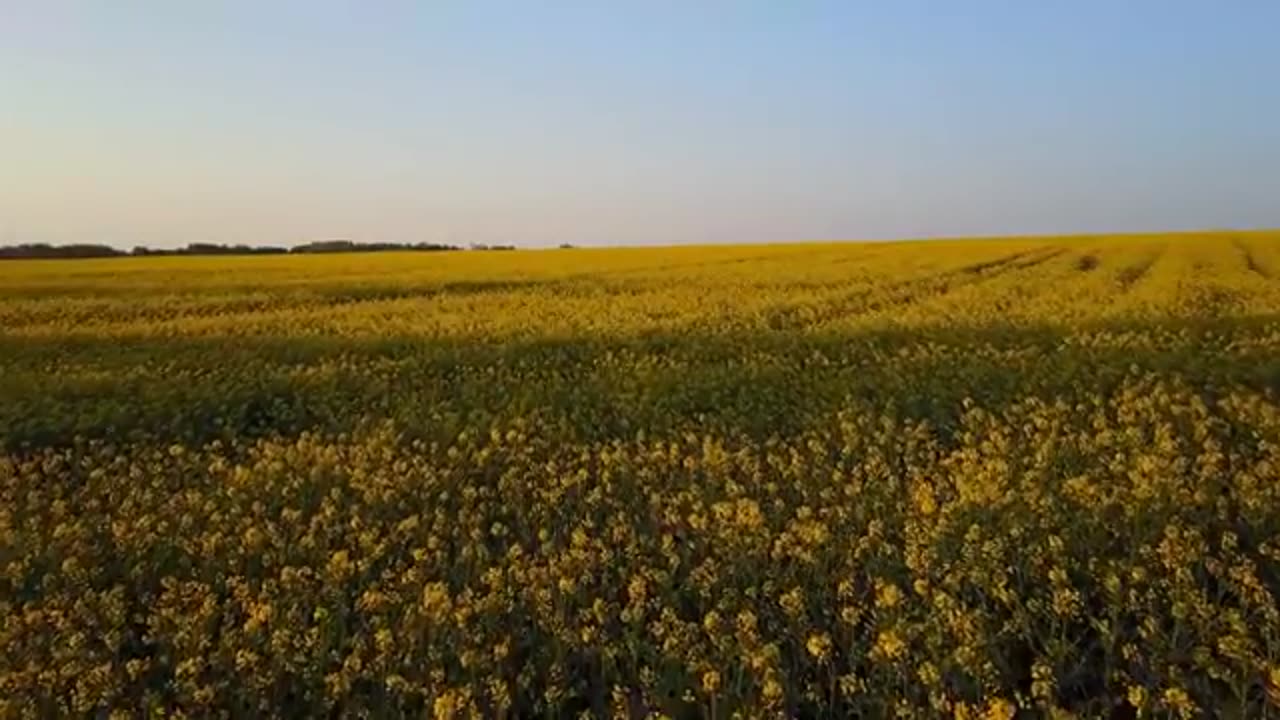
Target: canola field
972,479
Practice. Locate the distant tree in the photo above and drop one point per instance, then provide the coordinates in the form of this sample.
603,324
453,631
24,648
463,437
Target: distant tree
324,246
205,249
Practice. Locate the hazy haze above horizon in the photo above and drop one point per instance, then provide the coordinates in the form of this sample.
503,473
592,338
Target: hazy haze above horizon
163,123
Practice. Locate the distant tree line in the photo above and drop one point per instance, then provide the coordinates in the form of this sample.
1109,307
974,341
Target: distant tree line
44,250
344,246
209,249
40,250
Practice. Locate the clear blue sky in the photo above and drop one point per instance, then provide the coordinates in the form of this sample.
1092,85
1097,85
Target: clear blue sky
616,122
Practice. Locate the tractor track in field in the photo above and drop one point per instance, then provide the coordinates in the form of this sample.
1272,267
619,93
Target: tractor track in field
1250,261
666,267
879,298
1088,262
1132,274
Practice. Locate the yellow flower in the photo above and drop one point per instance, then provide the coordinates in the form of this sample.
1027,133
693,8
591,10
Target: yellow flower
1000,709
772,691
340,565
1137,696
1177,700
889,645
1273,685
819,645
435,599
711,681
792,602
887,594
446,705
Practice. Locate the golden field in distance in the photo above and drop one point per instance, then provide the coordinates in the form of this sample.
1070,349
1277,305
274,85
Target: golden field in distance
920,479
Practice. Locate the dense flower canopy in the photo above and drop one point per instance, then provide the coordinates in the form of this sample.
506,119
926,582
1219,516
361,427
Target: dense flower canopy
961,479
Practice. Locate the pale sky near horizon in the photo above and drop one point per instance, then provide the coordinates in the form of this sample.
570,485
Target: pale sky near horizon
163,123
